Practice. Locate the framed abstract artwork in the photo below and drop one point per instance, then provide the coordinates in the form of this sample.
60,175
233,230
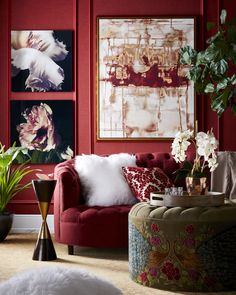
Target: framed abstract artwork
41,61
45,128
142,91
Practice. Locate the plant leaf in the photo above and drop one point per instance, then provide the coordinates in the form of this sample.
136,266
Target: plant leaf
219,67
201,60
212,70
187,55
194,73
222,84
211,53
209,88
220,102
205,74
233,79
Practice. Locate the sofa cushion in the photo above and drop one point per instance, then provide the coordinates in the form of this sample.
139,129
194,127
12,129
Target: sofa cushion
143,181
102,179
97,215
95,226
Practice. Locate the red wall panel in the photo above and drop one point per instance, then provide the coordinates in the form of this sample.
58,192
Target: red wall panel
84,77
46,15
145,8
4,70
33,14
80,16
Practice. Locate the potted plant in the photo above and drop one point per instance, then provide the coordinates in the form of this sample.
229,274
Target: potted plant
213,70
194,173
11,176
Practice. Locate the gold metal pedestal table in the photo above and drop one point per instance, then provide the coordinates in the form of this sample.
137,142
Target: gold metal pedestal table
44,249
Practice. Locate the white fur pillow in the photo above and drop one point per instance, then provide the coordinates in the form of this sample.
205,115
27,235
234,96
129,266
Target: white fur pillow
103,180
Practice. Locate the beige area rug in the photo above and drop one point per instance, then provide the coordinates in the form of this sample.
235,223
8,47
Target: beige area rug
16,256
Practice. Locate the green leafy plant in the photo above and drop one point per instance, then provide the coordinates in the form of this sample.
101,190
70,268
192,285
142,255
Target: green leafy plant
11,174
213,69
55,155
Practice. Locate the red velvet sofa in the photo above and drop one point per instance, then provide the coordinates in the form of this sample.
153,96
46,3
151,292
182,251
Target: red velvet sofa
77,224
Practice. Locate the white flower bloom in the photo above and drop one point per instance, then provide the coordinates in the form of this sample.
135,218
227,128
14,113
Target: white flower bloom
180,145
39,40
212,163
44,73
201,136
206,144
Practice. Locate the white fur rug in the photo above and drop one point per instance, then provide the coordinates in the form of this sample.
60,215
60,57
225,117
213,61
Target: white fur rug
57,281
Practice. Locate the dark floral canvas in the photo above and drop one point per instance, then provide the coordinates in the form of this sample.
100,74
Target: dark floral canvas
44,128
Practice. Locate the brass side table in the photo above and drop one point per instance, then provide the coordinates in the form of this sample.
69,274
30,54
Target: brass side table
44,249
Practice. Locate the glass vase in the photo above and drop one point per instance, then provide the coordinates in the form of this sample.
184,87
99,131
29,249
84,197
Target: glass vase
196,185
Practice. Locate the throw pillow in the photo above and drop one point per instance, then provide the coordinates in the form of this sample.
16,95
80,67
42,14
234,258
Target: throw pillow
103,180
143,181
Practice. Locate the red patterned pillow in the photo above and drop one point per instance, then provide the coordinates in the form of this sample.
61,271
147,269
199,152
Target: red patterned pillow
142,181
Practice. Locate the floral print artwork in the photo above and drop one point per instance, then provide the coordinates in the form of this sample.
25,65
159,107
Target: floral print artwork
41,60
44,128
38,132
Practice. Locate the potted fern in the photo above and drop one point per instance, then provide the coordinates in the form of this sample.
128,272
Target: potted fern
213,70
11,176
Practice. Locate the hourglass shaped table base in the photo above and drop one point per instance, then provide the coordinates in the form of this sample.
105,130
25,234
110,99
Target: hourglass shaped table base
44,249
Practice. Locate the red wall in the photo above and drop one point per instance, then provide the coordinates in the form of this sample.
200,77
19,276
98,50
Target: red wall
80,16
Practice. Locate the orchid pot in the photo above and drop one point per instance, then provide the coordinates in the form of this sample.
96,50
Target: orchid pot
196,185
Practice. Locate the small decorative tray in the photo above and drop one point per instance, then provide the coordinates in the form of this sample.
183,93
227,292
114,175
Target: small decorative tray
208,200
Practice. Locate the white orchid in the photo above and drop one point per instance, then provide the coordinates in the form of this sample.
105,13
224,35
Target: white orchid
205,144
180,145
38,52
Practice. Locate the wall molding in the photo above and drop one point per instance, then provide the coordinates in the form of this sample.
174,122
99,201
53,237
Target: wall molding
25,223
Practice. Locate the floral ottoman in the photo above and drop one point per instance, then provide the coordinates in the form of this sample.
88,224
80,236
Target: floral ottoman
183,249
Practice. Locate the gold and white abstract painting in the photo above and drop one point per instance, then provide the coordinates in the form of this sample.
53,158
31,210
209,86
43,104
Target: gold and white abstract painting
142,91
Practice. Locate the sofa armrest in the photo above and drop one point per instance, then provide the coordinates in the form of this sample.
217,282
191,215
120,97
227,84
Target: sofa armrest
67,190
66,193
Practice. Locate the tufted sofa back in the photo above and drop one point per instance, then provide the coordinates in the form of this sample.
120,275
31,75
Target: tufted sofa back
165,161
67,176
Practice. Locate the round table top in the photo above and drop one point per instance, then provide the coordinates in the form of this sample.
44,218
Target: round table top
226,212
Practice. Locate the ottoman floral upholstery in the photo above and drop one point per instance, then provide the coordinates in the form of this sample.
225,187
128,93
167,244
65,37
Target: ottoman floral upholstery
167,247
